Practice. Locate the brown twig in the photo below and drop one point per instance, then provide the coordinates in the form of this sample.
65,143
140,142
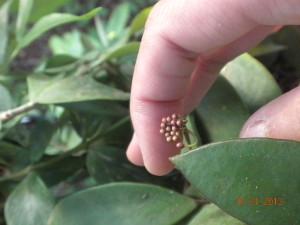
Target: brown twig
12,113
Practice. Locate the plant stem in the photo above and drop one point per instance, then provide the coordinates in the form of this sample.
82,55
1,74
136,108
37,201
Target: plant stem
12,113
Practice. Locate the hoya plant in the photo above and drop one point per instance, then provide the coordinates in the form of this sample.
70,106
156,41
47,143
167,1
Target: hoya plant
65,126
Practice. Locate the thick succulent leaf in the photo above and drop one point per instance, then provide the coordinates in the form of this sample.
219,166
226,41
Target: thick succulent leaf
122,203
49,22
213,215
45,90
30,203
252,179
253,82
221,114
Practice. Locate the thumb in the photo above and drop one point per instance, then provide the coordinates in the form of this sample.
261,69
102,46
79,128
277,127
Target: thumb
279,119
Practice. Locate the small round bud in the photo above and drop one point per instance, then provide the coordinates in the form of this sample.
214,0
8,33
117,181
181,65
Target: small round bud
173,122
163,120
177,133
172,133
169,139
174,128
174,116
174,138
168,119
178,123
162,125
167,134
179,145
168,128
161,131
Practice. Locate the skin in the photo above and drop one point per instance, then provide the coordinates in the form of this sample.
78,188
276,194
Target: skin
185,44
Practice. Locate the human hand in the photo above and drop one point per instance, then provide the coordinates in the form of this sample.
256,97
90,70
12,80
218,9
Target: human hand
184,46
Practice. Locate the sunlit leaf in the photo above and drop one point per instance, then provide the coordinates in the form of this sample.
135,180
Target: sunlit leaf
46,90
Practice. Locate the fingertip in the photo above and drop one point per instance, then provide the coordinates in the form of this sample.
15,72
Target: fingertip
159,169
134,154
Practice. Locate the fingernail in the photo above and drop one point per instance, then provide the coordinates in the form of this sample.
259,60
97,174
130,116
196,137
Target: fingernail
255,129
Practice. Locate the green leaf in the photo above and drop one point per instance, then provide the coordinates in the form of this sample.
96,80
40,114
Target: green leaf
289,37
212,215
6,101
266,48
118,20
64,139
13,156
109,164
98,108
30,203
49,22
122,203
45,90
60,170
68,44
241,176
252,81
118,52
40,136
4,14
221,114
138,23
25,7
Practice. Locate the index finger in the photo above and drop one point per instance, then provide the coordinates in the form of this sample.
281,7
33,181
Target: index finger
171,49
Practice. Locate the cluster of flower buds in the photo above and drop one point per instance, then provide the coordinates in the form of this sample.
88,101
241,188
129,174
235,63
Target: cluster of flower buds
172,127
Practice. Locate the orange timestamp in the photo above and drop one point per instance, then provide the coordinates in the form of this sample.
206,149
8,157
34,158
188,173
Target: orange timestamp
255,201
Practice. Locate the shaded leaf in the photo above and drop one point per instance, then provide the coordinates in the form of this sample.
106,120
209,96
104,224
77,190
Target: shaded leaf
25,7
244,177
45,90
212,215
253,82
30,203
6,101
267,48
109,164
15,157
98,108
221,113
40,136
4,15
122,203
61,170
64,139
